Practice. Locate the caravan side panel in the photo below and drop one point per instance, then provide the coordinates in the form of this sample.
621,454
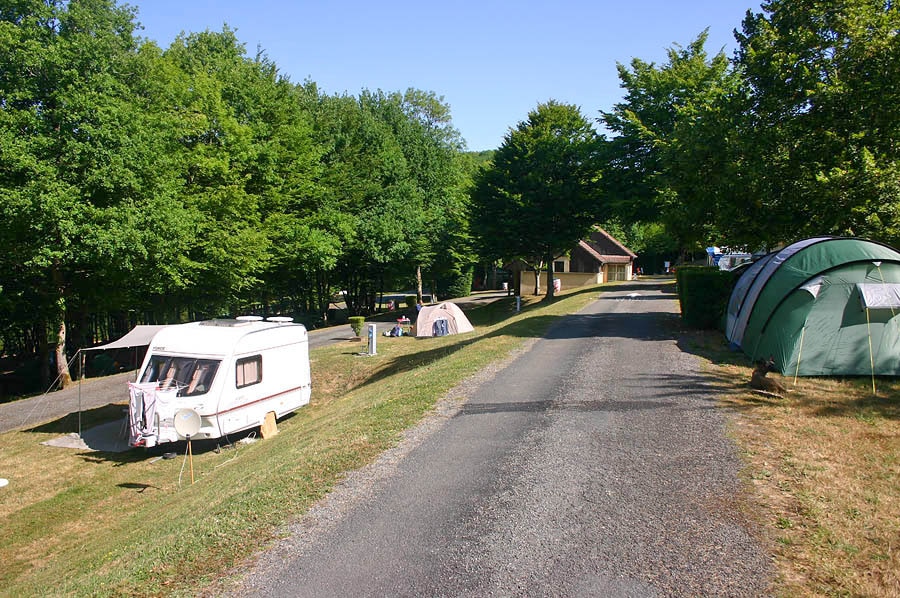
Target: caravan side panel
269,373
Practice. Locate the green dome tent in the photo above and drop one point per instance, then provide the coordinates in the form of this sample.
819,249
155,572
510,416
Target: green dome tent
822,306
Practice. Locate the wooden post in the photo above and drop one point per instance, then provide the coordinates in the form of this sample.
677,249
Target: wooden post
269,428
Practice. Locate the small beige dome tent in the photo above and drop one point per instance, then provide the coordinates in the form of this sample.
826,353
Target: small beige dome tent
442,319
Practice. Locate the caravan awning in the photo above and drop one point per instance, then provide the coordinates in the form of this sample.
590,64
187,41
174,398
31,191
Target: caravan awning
875,295
138,336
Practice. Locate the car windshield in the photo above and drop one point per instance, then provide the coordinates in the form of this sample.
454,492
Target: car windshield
191,376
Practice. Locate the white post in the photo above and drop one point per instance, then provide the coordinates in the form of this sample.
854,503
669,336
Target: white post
518,303
373,335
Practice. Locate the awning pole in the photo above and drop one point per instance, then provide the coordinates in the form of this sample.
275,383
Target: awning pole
799,354
80,378
871,356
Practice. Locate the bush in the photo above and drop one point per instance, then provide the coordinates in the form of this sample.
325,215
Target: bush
356,323
703,292
458,285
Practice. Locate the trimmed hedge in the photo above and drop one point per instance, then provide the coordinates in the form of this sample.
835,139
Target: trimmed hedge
458,285
356,323
703,292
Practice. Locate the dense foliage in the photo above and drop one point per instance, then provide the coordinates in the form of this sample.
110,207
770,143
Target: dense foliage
539,196
703,293
796,136
140,184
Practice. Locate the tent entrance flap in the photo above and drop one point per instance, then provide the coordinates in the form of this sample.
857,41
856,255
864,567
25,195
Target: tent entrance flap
879,295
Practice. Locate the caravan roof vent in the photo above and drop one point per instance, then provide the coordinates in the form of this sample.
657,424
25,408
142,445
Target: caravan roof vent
249,318
281,319
225,323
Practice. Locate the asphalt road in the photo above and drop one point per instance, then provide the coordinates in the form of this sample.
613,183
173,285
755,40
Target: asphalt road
594,464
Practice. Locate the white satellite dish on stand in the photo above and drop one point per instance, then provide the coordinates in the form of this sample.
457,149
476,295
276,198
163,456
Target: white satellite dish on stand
187,423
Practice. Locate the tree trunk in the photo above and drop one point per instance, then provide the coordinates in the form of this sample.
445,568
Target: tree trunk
59,321
322,294
42,350
419,283
62,362
550,289
537,281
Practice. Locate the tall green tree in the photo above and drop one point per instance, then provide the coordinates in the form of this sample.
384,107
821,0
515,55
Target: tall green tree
79,160
368,198
220,167
664,162
540,195
436,227
823,117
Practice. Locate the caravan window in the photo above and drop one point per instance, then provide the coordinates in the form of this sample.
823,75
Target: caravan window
191,376
248,370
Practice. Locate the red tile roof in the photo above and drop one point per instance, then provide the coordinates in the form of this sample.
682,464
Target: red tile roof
605,248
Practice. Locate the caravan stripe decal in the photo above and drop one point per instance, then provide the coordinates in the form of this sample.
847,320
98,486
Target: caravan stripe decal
245,405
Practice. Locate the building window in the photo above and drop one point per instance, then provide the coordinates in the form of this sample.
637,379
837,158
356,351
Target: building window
248,371
559,266
617,272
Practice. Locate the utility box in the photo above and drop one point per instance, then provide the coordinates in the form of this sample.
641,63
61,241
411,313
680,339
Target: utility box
373,340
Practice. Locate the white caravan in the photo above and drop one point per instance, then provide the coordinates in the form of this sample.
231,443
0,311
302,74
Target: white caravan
208,379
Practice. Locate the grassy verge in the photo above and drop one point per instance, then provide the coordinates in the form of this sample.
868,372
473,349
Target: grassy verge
823,465
102,524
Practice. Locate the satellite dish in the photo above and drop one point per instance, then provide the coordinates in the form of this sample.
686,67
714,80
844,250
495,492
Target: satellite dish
187,422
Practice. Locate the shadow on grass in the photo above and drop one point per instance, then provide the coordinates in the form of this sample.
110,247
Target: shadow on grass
140,488
93,418
89,418
856,401
885,404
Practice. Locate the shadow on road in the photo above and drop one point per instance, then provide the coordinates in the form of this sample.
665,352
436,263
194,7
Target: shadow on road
542,406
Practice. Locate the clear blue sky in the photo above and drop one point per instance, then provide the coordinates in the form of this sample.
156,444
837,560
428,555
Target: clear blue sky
493,61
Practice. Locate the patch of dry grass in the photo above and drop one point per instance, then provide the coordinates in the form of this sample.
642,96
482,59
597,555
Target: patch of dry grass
823,467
